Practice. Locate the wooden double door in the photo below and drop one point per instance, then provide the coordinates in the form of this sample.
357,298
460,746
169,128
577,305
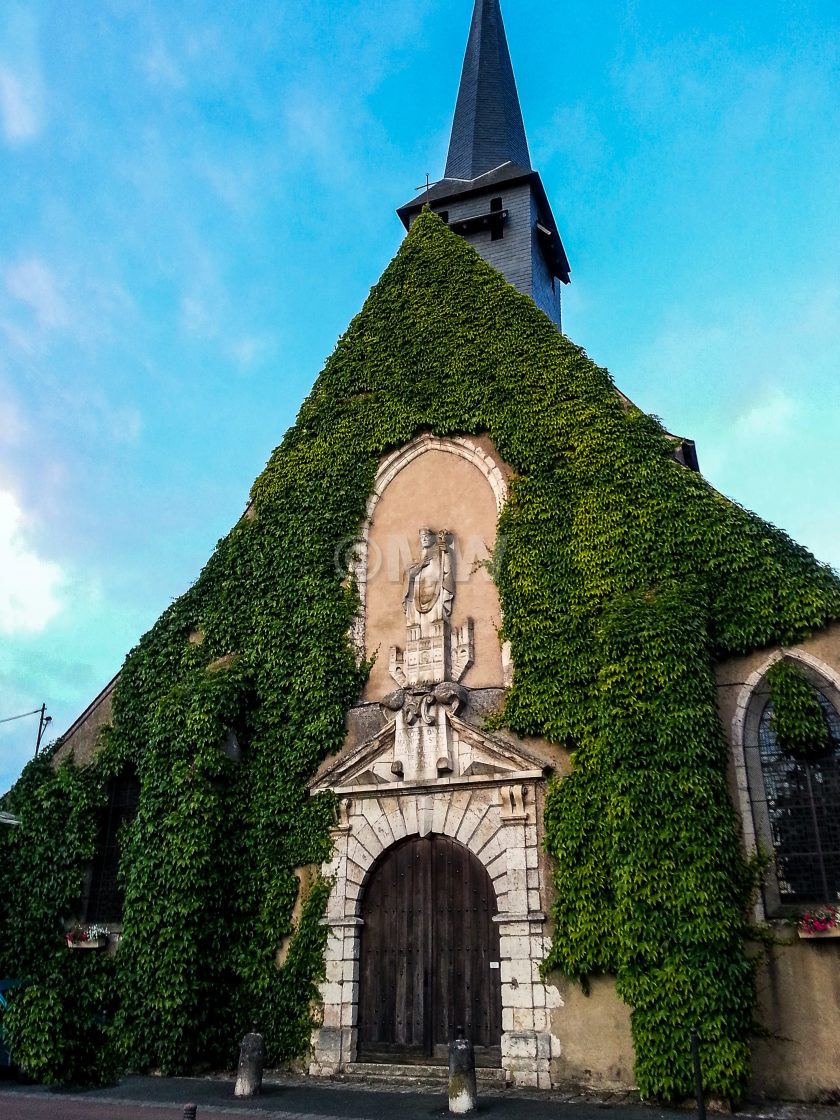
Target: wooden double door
429,955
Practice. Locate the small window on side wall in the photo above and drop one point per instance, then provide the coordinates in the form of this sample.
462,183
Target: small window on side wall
104,896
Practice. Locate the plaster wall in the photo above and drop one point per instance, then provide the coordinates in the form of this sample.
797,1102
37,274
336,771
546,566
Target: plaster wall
439,490
799,1006
594,1048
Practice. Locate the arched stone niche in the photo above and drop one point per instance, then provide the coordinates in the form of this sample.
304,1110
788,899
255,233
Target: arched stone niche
456,484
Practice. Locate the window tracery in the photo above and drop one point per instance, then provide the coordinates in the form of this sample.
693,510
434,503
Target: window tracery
795,805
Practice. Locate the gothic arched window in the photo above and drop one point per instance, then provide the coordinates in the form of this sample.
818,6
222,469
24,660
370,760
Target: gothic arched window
796,805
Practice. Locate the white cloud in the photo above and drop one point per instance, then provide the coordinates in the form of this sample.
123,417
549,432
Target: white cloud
771,416
20,106
29,585
32,282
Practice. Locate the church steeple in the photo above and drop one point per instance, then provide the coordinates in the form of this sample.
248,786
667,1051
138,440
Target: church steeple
488,129
489,194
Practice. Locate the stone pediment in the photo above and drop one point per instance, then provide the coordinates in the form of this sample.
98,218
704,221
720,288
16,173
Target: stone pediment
460,755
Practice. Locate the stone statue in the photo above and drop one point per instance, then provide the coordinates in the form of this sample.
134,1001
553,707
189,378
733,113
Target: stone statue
430,583
434,660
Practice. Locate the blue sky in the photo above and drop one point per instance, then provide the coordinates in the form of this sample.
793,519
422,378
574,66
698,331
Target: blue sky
196,199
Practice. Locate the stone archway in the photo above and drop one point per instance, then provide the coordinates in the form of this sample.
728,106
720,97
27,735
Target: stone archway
429,954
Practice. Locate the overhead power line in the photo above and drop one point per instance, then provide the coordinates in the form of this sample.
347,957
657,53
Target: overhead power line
10,719
43,723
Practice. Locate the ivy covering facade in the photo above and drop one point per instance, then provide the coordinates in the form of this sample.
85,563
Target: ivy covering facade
623,578
798,719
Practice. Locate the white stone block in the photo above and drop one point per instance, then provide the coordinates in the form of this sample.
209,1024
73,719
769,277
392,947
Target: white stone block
469,825
498,866
485,832
523,1019
358,854
519,1046
352,892
382,828
508,928
532,858
517,879
516,857
492,849
351,993
397,825
456,805
520,995
352,948
515,948
370,842
336,903
552,996
524,1079
409,812
517,902
520,971
355,873
441,805
331,992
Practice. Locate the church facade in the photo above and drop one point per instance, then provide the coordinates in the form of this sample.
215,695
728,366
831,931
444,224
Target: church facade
443,898
422,768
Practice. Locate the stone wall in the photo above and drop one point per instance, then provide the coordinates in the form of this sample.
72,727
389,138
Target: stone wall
81,740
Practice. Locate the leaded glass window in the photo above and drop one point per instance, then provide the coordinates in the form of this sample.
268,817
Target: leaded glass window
803,809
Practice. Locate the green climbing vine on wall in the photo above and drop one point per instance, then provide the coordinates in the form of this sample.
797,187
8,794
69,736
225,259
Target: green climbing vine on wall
798,719
623,579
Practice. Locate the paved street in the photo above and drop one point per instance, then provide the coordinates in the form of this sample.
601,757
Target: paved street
150,1098
146,1098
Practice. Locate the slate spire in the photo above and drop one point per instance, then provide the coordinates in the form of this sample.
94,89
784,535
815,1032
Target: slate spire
490,194
488,129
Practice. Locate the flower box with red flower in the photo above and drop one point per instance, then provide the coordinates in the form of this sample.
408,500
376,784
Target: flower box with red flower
821,922
87,937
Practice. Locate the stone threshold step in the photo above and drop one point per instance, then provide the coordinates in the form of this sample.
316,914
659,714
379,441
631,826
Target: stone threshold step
375,1071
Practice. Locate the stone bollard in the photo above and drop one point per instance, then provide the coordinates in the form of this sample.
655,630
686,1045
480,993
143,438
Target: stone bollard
463,1097
190,1111
249,1076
